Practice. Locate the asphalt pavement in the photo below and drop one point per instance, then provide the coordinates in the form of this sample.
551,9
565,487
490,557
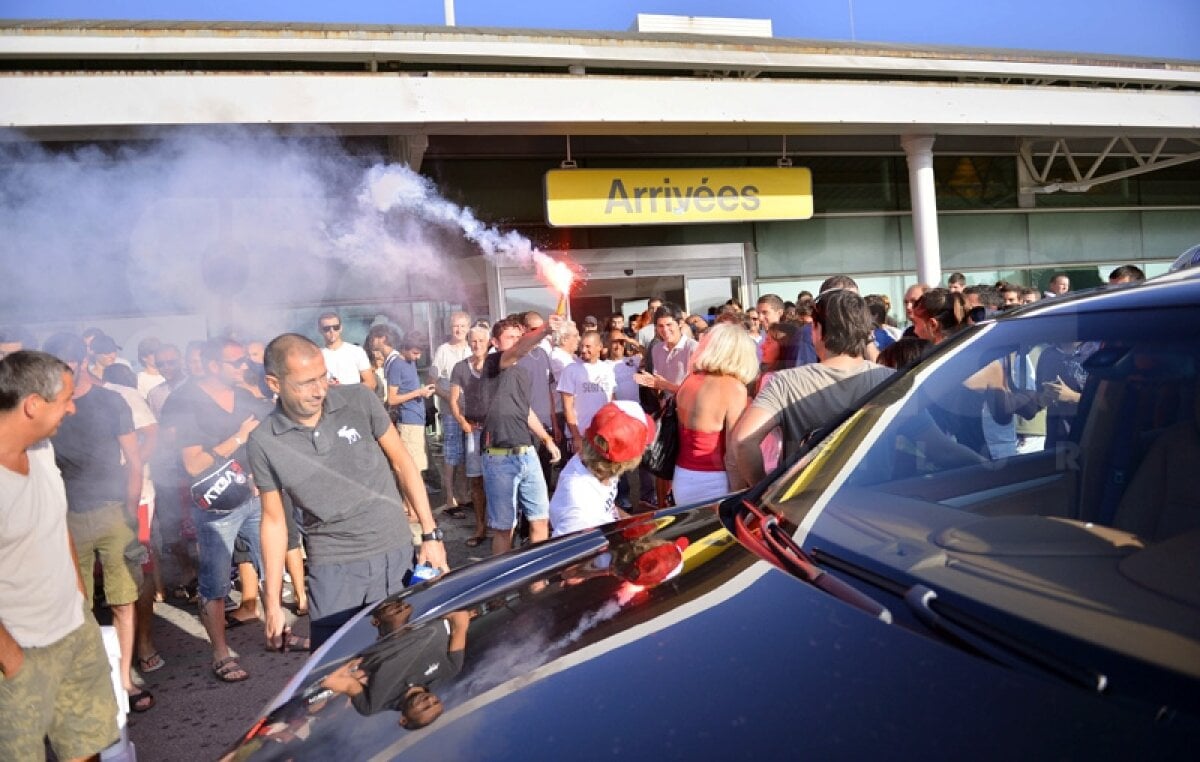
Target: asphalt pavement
197,717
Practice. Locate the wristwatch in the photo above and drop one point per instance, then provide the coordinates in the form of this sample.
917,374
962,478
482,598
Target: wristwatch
436,534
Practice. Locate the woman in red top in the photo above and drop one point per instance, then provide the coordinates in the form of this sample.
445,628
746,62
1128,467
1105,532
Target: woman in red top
709,402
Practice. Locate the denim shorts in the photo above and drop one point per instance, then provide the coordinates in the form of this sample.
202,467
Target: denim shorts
471,456
216,534
510,481
452,441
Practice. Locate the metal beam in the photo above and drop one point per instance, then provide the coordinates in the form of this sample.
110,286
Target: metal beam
1039,163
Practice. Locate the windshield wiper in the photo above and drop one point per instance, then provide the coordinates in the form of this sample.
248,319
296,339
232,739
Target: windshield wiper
770,539
993,643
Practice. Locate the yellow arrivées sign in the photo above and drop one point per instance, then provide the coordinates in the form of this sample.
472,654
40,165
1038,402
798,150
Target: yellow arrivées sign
658,196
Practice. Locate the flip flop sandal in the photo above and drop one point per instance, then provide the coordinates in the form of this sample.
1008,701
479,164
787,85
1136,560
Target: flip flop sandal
229,671
231,621
455,513
474,542
151,663
141,701
297,643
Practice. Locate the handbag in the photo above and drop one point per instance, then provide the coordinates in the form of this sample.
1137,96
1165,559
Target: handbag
223,487
659,458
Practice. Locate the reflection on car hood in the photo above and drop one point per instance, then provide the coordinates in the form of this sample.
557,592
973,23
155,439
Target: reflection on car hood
558,651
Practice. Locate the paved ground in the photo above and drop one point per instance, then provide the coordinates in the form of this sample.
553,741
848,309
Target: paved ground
196,717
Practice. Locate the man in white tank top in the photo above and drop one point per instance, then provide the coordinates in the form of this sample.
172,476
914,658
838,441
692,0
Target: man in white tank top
56,680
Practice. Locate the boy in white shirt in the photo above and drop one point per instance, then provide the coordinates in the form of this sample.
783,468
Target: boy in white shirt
587,487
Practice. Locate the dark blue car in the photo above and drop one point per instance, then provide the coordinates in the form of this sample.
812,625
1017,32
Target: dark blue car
895,591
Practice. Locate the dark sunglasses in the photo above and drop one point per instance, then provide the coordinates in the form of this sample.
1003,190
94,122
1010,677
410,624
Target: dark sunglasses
241,362
335,327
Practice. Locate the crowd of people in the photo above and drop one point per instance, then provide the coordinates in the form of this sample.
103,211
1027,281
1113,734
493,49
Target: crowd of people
302,465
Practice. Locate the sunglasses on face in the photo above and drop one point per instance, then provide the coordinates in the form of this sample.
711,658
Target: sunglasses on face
240,362
328,328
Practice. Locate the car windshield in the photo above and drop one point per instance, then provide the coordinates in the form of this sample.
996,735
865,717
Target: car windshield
1044,469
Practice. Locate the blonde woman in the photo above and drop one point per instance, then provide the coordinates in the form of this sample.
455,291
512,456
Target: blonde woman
709,402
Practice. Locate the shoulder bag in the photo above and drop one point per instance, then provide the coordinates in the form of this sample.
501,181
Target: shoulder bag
659,458
223,487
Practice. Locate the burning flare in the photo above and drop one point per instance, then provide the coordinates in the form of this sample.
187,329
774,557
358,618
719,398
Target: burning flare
558,275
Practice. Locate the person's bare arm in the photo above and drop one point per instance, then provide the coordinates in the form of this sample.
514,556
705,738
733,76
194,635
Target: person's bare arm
571,418
12,656
147,440
441,385
133,461
539,431
368,378
755,424
346,679
456,393
413,489
273,539
736,407
655,381
459,621
530,340
196,460
396,397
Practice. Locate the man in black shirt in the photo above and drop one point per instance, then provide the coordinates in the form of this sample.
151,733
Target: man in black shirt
404,670
213,419
97,452
512,475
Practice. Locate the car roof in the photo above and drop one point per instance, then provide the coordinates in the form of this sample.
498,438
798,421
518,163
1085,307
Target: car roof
1178,289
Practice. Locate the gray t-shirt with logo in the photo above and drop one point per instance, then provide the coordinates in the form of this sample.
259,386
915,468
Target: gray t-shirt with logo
337,475
804,398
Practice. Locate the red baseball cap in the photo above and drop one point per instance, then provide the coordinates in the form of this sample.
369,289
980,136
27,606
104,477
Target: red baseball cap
620,431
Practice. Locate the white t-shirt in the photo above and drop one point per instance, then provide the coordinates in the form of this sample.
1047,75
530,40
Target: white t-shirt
445,357
623,371
592,384
40,602
142,416
147,381
581,501
560,359
346,363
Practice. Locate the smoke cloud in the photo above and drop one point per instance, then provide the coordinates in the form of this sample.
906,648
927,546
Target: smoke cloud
234,226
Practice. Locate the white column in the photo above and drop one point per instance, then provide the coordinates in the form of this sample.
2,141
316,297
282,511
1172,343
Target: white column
919,150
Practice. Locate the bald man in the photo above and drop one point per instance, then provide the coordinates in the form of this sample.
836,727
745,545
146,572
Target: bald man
337,453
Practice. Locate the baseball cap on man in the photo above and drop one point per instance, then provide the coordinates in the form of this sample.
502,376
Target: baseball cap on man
620,431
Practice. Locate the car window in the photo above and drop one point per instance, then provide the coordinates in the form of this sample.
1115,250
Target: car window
1047,468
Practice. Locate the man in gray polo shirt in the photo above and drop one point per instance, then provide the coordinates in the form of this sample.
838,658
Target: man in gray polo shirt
336,452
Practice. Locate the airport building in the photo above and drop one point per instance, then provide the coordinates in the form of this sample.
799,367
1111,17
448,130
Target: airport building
718,161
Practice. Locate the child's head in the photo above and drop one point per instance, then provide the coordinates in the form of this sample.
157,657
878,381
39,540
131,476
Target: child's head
614,442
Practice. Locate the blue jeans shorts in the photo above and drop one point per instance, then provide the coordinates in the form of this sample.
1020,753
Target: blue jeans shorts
510,481
216,534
